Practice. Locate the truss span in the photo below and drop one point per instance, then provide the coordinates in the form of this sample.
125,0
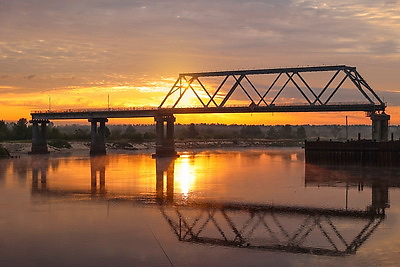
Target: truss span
263,90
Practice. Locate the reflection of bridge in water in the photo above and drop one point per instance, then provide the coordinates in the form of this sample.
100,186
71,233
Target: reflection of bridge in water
311,230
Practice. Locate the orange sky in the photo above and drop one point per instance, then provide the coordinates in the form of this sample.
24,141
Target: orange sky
76,54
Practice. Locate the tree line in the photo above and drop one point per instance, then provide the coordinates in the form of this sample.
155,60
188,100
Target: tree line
22,130
202,131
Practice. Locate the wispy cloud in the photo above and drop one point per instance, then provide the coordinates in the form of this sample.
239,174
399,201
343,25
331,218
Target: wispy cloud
121,46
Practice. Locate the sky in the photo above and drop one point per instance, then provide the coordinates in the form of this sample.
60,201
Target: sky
93,53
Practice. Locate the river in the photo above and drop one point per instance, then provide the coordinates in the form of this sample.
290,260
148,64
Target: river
230,207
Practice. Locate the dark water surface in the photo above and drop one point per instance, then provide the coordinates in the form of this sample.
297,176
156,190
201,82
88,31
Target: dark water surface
207,208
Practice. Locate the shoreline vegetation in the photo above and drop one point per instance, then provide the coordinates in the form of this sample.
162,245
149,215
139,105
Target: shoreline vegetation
9,149
4,153
15,138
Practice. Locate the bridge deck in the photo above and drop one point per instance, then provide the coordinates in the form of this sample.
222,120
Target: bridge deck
138,112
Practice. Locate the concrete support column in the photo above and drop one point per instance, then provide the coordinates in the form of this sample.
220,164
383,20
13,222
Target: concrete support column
93,131
170,133
165,142
380,127
35,132
98,144
43,130
102,132
39,139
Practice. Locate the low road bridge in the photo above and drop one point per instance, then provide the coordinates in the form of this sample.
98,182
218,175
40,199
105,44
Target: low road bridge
216,96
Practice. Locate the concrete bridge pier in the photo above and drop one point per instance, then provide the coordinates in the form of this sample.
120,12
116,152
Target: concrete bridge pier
380,126
165,142
39,139
98,139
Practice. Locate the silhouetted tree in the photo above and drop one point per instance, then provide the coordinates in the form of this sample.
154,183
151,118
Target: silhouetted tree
192,131
20,130
335,130
115,134
149,136
272,133
251,131
301,132
286,132
129,131
136,137
80,134
4,132
107,132
53,133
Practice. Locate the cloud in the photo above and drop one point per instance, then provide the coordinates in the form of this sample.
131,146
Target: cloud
29,77
100,33
49,45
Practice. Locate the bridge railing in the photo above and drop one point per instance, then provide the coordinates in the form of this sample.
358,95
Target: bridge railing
152,108
94,110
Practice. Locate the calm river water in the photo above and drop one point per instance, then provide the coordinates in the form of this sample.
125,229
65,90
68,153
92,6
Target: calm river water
255,207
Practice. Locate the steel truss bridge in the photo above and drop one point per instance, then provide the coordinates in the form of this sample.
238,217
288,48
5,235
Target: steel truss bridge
221,95
256,95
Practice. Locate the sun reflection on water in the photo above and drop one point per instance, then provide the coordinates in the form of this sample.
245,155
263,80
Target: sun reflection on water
184,175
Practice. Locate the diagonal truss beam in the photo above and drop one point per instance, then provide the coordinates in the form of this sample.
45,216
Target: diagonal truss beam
258,94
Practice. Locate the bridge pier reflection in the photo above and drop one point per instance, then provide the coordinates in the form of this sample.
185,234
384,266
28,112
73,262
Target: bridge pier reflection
98,166
165,168
40,166
380,197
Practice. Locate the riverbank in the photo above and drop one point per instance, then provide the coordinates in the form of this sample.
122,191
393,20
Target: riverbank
4,152
19,148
